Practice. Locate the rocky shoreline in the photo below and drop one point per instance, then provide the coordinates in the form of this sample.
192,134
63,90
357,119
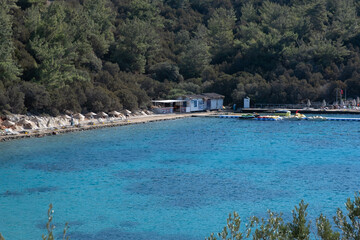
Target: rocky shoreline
91,124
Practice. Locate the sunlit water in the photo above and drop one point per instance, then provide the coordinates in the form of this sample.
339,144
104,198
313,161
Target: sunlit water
175,179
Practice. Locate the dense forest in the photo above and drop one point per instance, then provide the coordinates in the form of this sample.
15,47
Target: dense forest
101,55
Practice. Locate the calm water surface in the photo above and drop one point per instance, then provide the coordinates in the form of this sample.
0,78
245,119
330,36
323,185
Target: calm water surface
175,179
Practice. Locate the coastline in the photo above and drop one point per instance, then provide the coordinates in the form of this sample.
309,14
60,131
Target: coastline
84,126
113,123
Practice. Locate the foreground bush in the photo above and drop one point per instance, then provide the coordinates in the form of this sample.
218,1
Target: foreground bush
274,227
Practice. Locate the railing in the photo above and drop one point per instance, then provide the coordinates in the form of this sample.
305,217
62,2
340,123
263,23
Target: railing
163,110
288,106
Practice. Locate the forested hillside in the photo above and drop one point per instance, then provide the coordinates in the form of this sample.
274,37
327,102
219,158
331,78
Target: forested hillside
101,55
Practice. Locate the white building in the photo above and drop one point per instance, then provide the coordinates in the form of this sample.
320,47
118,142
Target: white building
190,103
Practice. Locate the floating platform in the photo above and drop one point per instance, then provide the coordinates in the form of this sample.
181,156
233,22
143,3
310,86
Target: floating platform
229,116
307,111
303,119
343,119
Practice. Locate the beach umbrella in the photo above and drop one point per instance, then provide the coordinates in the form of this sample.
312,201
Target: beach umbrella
27,124
39,122
51,123
90,115
13,117
68,112
114,113
308,103
323,103
79,116
8,123
103,115
353,102
126,112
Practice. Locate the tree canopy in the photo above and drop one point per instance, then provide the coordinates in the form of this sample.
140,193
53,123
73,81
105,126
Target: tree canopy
93,55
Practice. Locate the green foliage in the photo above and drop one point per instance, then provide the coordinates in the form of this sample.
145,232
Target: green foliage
50,227
282,51
350,225
324,229
9,71
196,55
274,227
221,25
137,45
299,228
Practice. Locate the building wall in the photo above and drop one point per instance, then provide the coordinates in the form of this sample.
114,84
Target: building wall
163,110
220,103
196,105
216,104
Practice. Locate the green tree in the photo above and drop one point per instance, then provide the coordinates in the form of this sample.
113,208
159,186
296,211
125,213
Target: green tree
345,24
54,47
221,26
350,224
9,71
324,229
99,25
300,228
137,45
196,56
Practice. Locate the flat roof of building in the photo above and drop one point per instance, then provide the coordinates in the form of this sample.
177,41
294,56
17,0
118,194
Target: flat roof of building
168,101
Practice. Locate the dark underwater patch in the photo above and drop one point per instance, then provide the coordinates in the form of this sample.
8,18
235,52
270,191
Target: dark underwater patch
117,234
41,189
11,194
328,176
189,190
89,160
35,190
129,224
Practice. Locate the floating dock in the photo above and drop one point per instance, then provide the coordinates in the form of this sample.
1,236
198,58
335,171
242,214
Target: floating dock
343,119
277,119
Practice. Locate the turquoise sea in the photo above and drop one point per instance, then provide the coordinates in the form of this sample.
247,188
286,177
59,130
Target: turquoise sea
175,179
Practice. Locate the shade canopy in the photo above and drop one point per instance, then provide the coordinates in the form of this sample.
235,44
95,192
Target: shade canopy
102,114
79,116
114,113
8,123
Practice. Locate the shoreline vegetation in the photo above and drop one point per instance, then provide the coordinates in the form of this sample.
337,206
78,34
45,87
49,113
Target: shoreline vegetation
346,225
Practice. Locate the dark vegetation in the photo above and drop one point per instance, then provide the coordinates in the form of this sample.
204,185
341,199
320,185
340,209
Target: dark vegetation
92,55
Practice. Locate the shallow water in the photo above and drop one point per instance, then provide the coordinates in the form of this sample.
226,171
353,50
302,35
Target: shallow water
175,179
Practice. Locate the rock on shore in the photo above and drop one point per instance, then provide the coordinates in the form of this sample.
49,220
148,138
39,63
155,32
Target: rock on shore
13,124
